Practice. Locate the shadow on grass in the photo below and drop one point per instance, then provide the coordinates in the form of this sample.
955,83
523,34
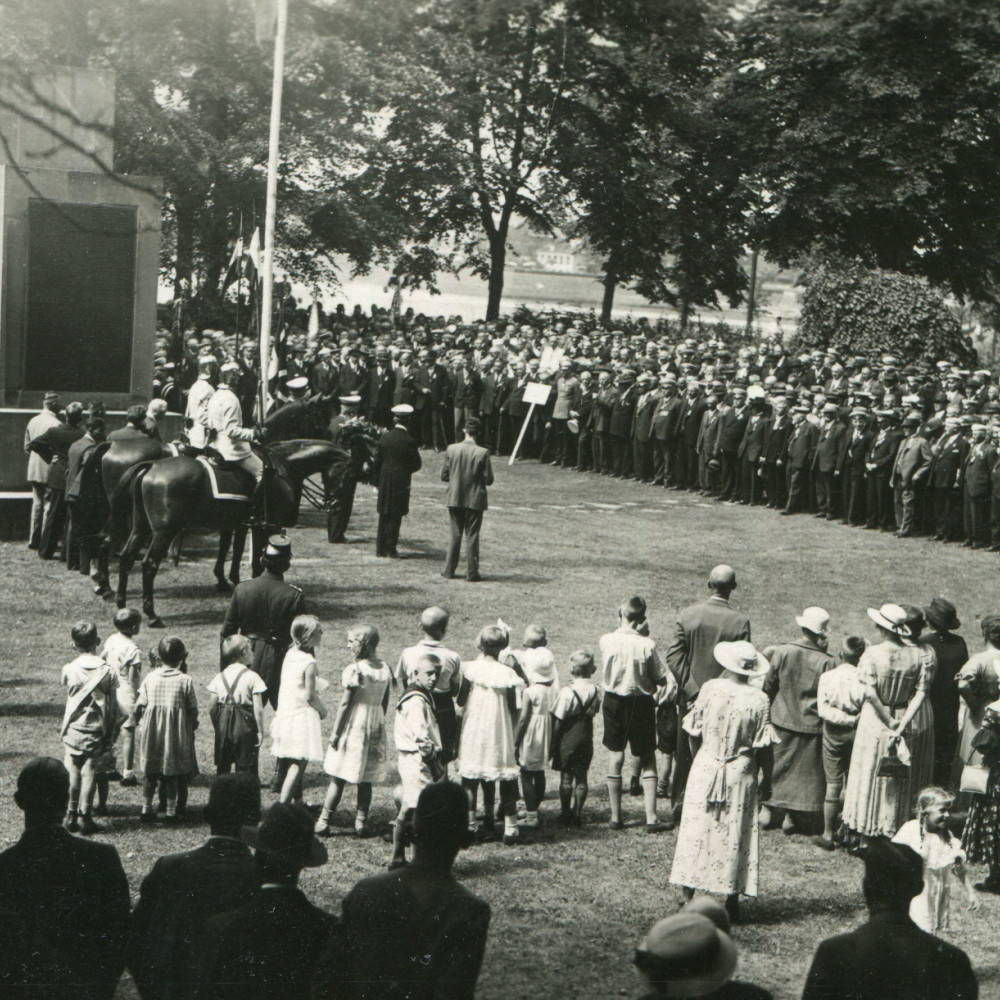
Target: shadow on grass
41,710
24,682
765,911
515,859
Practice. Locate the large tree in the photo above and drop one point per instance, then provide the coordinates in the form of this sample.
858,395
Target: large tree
655,186
872,129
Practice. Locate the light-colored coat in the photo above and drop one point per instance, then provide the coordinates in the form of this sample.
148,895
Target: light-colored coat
225,417
468,472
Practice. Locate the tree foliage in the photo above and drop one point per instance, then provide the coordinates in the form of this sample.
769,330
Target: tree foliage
855,310
872,129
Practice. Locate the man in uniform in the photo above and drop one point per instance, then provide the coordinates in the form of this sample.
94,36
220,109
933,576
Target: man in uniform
263,609
38,468
398,459
352,433
199,395
231,439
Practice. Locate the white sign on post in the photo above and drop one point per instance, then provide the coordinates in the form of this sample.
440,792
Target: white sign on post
537,394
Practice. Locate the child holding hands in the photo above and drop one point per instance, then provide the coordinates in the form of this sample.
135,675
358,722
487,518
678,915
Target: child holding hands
930,837
418,744
357,743
573,738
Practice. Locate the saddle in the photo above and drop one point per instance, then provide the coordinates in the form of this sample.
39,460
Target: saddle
229,481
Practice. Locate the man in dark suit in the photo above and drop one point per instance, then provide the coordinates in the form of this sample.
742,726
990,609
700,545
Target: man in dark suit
890,956
642,427
909,469
828,460
666,429
691,659
398,459
858,442
779,427
269,948
468,388
53,446
732,423
430,382
620,424
381,389
263,609
70,895
751,450
433,930
687,446
976,485
603,405
586,451
707,444
184,890
799,459
878,467
87,504
949,453
468,473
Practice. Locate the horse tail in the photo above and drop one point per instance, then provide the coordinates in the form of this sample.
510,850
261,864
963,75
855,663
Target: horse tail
126,502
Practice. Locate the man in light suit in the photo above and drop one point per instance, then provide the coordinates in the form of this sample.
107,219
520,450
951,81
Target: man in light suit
38,467
691,659
468,472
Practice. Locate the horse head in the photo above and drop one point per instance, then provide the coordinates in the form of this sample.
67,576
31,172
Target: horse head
300,420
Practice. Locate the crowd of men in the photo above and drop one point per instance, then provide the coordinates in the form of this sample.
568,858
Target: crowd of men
872,441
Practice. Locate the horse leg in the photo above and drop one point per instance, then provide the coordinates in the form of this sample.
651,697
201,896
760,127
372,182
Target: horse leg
154,555
225,539
239,547
175,549
126,560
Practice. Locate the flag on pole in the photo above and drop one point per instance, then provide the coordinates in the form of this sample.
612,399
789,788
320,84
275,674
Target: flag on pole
234,270
265,18
253,259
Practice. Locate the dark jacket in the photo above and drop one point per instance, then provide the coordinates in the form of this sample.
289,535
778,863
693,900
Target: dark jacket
623,411
949,454
433,932
176,900
776,438
267,949
977,469
53,445
667,419
882,453
732,423
72,898
754,438
801,445
699,627
398,459
381,390
830,447
889,958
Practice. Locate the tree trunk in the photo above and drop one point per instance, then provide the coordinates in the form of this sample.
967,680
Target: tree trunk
184,255
684,308
610,285
498,257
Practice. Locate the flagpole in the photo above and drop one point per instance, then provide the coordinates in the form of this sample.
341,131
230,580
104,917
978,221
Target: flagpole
270,208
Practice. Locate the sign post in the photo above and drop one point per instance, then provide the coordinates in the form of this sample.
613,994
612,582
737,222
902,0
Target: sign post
537,394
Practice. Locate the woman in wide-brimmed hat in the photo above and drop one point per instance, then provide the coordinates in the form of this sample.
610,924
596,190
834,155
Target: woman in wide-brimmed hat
952,654
897,675
717,846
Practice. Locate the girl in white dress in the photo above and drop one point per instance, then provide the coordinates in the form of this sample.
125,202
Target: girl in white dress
489,694
942,853
296,732
357,743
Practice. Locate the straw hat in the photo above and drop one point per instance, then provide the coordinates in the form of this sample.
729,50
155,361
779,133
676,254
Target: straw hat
814,620
892,618
740,658
686,955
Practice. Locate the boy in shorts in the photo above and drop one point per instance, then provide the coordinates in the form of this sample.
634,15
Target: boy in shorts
418,743
124,657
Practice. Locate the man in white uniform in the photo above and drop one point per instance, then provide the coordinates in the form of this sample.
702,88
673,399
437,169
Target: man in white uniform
199,396
225,417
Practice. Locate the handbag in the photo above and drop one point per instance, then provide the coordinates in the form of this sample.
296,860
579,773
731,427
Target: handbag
975,777
890,766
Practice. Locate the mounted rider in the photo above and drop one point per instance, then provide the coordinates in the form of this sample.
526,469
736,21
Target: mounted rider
228,435
199,396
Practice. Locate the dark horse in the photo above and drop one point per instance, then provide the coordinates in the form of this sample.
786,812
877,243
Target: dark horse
164,497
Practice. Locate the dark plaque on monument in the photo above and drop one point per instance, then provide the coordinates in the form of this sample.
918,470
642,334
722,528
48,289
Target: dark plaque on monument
81,296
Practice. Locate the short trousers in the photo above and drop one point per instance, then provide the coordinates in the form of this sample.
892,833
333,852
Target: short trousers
666,729
838,742
414,776
630,720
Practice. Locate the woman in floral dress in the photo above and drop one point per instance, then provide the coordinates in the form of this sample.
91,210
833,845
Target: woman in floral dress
718,842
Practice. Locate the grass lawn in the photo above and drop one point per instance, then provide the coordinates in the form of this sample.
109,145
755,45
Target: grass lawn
562,549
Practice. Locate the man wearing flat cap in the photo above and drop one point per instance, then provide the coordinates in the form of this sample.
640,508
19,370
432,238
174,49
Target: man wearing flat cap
945,494
398,458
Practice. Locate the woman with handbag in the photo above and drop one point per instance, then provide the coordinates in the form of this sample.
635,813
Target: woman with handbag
981,836
893,752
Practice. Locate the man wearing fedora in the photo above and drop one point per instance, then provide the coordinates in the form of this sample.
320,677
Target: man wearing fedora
909,469
878,466
856,446
791,684
666,429
952,654
799,458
